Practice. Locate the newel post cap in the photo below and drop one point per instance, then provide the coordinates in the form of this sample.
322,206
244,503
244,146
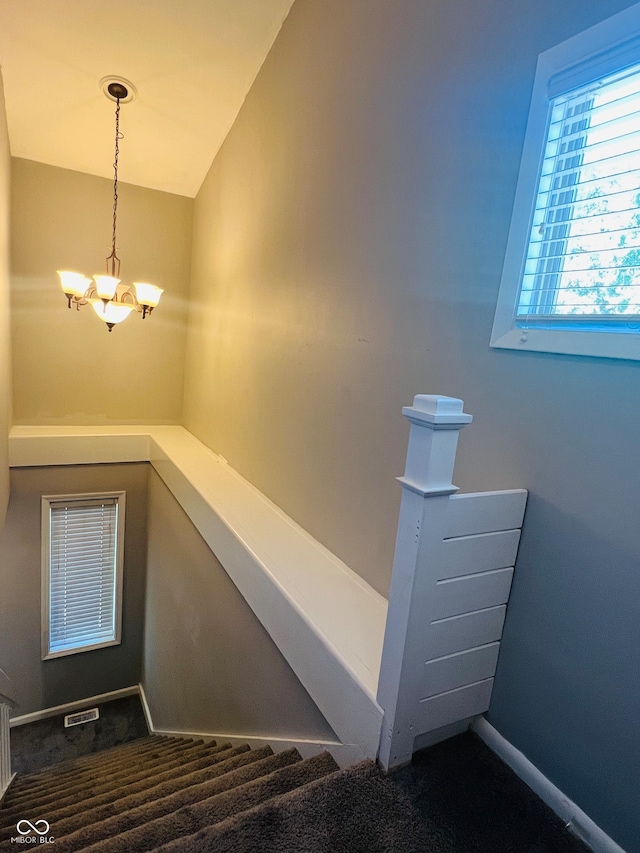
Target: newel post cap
433,438
437,411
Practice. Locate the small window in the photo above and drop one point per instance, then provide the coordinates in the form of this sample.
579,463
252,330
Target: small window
82,556
571,279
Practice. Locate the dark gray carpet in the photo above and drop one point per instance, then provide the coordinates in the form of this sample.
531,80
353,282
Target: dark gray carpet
188,819
124,813
47,742
170,795
457,797
352,811
474,803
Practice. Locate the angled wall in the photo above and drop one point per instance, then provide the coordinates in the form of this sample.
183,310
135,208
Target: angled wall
213,669
348,246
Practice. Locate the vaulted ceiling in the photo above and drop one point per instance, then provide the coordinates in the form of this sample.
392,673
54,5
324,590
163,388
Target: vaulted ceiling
192,63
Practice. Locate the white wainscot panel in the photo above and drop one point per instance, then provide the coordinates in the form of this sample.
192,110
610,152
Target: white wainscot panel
454,671
456,633
460,704
485,512
481,553
473,592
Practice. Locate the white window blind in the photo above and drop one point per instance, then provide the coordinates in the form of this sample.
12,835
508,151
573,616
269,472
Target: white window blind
82,573
583,259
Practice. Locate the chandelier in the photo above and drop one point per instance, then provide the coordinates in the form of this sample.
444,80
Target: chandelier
110,299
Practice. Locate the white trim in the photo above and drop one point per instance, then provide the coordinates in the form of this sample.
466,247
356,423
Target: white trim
87,445
69,707
575,819
327,621
146,710
345,755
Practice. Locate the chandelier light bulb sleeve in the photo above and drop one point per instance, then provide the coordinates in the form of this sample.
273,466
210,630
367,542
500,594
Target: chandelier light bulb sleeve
147,294
73,283
112,312
106,286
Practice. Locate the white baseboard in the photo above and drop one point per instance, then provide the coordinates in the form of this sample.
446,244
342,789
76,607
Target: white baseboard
45,713
574,818
345,755
145,709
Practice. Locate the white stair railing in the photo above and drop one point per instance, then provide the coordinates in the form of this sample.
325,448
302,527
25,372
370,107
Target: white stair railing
6,703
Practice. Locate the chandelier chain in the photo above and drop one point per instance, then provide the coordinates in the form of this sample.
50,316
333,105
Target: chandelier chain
113,257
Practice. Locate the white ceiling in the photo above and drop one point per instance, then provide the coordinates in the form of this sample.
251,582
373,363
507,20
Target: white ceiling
192,62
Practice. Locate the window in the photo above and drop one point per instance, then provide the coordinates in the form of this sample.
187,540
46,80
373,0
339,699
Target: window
82,555
571,278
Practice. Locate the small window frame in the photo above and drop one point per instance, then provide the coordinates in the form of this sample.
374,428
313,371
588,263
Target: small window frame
47,502
593,48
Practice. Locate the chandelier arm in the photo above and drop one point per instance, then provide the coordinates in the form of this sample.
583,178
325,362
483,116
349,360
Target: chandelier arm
131,298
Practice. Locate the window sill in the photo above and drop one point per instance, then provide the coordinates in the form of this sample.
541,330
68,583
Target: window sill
600,344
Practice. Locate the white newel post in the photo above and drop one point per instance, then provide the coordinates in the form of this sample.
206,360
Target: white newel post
426,486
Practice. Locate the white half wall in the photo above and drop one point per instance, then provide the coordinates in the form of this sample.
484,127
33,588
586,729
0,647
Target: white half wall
326,620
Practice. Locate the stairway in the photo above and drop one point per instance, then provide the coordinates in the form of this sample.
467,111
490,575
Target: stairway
172,794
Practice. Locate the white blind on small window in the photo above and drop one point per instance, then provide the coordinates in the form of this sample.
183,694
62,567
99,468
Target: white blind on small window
584,249
83,553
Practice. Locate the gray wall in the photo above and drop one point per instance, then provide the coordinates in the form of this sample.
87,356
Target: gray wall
209,665
348,246
44,684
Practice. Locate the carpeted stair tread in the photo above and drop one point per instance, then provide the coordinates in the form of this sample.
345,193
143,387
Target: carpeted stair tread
112,786
174,793
449,803
108,766
113,757
53,772
350,811
108,763
63,807
189,819
131,747
226,760
96,782
153,810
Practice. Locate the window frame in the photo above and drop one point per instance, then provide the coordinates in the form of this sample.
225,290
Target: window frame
604,337
47,501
